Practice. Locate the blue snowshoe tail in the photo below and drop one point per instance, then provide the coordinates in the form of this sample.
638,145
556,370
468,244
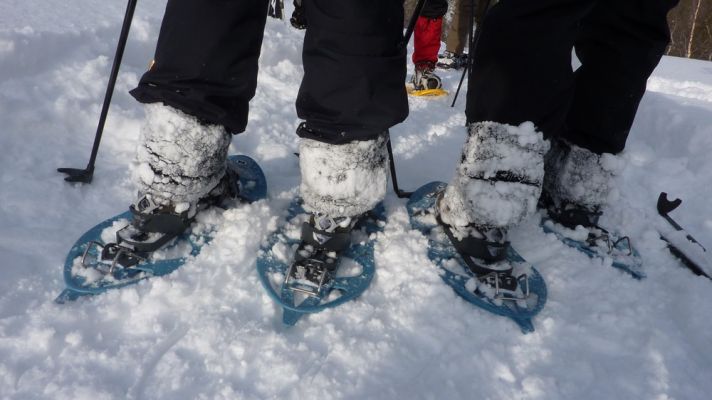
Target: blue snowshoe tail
454,270
251,178
276,255
85,273
623,256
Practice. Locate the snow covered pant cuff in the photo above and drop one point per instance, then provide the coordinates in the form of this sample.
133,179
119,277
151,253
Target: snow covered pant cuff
499,179
577,176
343,180
179,159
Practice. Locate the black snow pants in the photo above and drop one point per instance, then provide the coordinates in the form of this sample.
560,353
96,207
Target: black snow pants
522,66
354,68
434,9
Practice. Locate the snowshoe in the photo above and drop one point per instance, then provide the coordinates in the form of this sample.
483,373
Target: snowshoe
309,266
145,241
578,228
490,274
425,82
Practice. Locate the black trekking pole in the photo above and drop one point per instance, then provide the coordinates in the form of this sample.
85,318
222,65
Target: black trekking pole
85,175
692,254
406,38
473,40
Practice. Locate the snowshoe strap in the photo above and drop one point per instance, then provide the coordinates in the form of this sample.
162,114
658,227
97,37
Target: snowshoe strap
317,257
568,214
572,216
161,222
480,248
332,241
151,227
120,255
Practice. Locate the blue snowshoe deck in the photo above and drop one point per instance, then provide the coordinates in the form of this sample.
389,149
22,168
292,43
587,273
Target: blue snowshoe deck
622,256
354,274
454,270
98,277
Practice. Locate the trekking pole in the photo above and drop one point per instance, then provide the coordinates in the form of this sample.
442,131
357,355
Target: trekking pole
400,193
406,38
413,20
85,175
473,40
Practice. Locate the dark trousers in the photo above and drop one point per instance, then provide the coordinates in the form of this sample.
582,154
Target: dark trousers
208,50
522,66
434,9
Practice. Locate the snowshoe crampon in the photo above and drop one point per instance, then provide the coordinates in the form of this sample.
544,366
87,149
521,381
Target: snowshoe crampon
96,263
601,244
454,270
310,286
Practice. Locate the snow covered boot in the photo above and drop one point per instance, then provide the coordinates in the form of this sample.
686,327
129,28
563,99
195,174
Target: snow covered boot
496,186
578,184
181,169
424,77
340,185
450,60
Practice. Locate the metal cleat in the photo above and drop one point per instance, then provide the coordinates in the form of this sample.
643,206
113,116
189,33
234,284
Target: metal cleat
118,256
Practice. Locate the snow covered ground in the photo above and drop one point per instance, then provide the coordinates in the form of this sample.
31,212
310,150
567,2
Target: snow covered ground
210,331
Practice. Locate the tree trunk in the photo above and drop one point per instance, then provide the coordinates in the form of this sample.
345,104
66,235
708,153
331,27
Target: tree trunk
691,30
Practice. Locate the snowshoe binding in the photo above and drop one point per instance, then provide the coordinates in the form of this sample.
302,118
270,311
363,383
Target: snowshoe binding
329,263
578,227
151,240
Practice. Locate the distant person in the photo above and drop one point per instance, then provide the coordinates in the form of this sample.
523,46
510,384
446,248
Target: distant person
464,11
426,45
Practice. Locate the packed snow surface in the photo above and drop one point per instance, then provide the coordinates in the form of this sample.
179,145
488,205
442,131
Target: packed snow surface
209,330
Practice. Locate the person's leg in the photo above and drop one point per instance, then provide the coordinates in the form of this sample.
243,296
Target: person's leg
521,73
522,70
619,45
351,94
426,40
354,69
196,93
462,18
206,60
426,44
458,33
